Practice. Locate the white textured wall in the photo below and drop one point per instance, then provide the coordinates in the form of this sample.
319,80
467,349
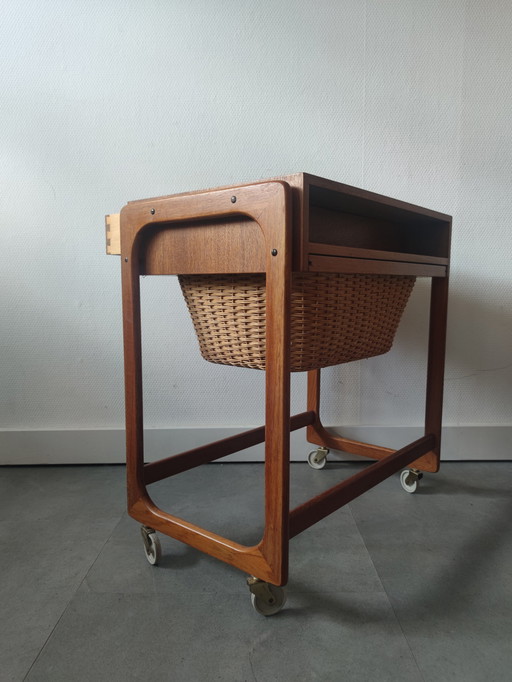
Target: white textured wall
104,102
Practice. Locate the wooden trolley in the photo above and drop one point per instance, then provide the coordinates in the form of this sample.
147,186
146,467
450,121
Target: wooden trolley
277,234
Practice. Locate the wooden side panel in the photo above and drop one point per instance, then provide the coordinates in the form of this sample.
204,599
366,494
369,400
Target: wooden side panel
206,247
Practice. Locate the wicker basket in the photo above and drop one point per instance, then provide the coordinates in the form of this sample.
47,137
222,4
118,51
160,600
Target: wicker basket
335,318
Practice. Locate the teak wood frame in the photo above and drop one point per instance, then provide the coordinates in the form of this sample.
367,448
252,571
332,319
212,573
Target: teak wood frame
150,231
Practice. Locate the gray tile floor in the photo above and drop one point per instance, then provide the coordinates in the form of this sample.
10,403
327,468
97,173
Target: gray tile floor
392,587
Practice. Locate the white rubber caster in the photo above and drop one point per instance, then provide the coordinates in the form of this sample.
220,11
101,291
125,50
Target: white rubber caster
318,458
152,548
266,599
409,479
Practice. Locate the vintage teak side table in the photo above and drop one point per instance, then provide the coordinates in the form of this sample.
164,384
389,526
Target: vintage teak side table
290,274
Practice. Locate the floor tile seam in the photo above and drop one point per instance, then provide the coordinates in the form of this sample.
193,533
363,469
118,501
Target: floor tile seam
65,608
69,600
156,595
119,520
381,581
222,593
291,592
354,519
406,639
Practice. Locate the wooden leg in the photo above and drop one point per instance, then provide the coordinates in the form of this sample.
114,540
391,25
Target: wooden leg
313,399
133,377
435,371
317,434
269,560
274,546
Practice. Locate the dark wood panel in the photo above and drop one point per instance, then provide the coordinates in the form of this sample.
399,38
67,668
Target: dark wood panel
205,247
350,252
374,267
341,228
341,197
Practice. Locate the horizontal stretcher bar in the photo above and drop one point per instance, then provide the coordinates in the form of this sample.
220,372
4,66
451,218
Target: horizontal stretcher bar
156,471
326,503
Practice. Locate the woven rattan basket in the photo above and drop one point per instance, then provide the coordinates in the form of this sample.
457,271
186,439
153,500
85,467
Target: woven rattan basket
335,318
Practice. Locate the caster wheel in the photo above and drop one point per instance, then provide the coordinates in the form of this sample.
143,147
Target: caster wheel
318,458
272,605
266,599
410,479
152,547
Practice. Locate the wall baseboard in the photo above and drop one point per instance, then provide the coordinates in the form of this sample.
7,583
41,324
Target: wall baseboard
106,446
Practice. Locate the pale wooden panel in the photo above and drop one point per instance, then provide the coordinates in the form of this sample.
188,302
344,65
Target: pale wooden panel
113,234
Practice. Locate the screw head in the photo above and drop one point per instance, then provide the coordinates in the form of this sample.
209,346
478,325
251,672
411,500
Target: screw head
152,211
233,200
274,252
126,260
